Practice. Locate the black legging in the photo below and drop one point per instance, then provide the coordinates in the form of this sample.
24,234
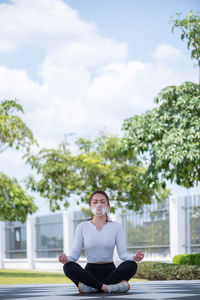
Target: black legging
95,275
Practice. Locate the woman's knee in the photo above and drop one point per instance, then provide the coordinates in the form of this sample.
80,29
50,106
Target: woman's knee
131,265
68,267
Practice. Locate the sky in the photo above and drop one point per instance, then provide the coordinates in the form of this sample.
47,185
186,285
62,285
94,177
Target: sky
82,66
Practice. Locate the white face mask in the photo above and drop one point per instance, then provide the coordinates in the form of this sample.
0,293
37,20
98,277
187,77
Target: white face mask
99,212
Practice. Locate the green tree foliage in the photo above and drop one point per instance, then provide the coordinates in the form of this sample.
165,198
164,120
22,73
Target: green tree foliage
15,204
13,131
97,164
170,134
190,31
187,259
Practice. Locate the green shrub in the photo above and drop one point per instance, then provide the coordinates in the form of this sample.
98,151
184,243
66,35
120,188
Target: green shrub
187,259
164,271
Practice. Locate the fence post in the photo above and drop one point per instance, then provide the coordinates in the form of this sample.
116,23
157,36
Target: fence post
31,242
177,226
2,243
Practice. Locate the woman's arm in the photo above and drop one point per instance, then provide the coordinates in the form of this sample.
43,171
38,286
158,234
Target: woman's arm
78,244
121,245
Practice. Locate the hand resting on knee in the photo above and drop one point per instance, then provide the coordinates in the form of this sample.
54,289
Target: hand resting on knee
63,258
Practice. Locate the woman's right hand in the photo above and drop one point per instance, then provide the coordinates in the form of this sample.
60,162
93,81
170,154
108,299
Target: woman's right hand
63,258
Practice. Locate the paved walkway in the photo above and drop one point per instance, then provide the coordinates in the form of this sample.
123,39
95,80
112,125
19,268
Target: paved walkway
158,290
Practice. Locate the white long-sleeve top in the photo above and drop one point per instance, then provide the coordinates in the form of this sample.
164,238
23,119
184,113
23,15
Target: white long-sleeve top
99,245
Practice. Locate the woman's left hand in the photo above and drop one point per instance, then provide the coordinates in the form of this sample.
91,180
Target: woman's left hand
139,256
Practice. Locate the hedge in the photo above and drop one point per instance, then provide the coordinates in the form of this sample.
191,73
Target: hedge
187,259
165,271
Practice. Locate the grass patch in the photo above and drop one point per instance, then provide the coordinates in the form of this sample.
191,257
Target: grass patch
31,277
8,276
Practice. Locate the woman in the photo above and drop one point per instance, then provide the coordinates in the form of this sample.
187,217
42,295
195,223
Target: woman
99,236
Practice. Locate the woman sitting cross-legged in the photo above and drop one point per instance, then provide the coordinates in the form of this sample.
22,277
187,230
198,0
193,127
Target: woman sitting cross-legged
99,236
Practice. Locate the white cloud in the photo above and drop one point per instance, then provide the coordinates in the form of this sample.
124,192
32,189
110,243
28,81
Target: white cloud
70,99
15,82
166,52
43,23
54,26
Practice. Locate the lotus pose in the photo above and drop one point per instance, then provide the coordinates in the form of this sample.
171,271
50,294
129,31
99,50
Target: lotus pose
99,236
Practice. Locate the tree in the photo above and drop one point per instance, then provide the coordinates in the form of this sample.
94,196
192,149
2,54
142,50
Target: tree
190,31
13,131
170,134
97,164
15,203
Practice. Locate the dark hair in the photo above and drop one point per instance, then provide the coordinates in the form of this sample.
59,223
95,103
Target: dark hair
108,219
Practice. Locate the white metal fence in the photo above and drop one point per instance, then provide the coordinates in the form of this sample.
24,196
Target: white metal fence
149,230
49,236
161,231
15,240
192,223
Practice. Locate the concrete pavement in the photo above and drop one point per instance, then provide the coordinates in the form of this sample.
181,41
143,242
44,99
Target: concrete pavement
154,290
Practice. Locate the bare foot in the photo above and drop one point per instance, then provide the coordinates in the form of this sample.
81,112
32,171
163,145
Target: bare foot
104,288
